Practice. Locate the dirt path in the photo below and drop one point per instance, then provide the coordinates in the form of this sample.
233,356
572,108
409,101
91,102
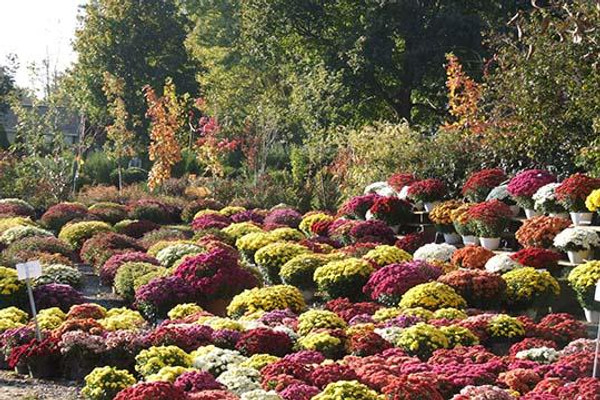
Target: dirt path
13,387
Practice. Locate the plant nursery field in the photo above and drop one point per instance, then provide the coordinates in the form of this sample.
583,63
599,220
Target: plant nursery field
402,293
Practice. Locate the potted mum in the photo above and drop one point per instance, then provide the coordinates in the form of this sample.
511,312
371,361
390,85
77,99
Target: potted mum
391,210
400,182
583,280
545,202
441,217
427,192
463,225
490,219
480,183
524,185
572,194
579,243
530,290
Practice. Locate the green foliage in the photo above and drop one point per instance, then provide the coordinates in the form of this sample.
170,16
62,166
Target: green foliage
128,273
139,41
98,167
543,93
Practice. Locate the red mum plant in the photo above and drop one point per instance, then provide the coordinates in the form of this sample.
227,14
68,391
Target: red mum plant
325,374
35,353
582,388
427,191
196,381
58,215
388,284
299,392
479,288
157,297
391,210
524,185
573,191
208,221
366,343
56,295
479,184
215,274
471,257
530,343
561,328
187,337
400,180
152,391
407,387
537,258
98,249
372,231
285,367
490,218
15,209
264,341
411,241
357,207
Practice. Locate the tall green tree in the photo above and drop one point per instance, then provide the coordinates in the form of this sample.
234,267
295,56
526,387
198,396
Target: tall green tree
389,53
7,86
140,41
543,94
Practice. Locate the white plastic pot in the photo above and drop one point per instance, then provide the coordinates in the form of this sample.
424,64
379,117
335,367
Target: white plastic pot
429,206
452,238
560,215
592,316
578,257
470,239
529,213
583,218
490,243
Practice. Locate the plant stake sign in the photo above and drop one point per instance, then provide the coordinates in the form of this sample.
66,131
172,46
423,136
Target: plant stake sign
28,271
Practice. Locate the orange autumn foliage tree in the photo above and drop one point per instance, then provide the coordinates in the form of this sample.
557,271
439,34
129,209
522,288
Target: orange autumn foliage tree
464,95
165,116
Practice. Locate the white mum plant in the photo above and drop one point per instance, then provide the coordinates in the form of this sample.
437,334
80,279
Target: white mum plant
577,239
435,252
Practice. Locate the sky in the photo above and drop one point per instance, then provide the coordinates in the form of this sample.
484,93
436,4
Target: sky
35,30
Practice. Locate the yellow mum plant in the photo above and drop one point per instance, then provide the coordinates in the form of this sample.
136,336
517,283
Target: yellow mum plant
432,296
384,255
344,278
278,297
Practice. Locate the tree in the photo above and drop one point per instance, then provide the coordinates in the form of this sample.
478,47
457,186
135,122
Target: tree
7,86
542,96
120,139
165,114
140,41
389,54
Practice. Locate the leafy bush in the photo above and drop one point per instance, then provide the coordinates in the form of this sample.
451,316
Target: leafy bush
34,246
152,210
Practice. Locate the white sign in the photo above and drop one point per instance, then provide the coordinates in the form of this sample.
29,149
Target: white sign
597,295
31,270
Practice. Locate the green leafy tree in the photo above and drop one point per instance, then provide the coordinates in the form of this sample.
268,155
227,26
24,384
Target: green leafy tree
120,139
542,96
140,41
7,86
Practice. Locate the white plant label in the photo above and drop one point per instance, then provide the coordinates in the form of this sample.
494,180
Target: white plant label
31,270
